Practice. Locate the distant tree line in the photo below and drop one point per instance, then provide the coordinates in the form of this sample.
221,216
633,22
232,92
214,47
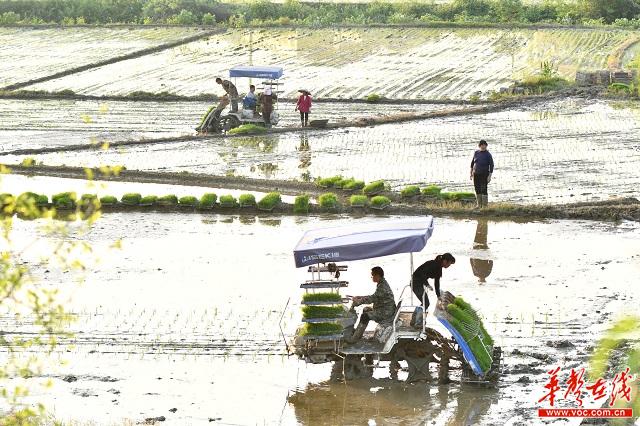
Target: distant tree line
185,12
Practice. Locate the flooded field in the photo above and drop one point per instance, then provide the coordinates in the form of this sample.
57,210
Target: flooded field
562,151
185,316
28,53
32,124
354,62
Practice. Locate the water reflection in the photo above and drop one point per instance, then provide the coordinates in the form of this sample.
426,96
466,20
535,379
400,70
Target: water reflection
481,268
304,151
388,402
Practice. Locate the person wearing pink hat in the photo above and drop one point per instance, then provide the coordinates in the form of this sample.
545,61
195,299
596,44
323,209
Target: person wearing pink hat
304,106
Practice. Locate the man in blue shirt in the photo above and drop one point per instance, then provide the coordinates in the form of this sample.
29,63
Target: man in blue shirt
481,171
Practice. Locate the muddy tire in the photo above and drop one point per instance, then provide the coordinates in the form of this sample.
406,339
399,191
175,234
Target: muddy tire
351,368
228,122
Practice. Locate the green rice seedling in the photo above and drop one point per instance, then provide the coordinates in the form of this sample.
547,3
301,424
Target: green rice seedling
42,200
358,200
321,329
228,201
374,188
311,311
344,181
247,200
131,199
148,200
270,201
328,201
301,204
373,98
410,191
188,200
89,203
432,191
457,196
322,297
64,200
168,200
328,182
28,162
208,200
247,129
108,200
354,185
380,202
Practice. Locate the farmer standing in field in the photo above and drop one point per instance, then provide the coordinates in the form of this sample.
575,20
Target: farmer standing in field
481,170
304,106
231,90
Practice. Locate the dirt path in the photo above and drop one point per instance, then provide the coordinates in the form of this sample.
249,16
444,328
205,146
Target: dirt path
616,209
113,60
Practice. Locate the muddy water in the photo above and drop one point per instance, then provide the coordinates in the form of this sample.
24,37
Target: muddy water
30,124
186,315
560,152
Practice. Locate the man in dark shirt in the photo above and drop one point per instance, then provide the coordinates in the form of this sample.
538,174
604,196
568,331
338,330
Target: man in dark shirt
231,90
384,305
481,171
430,269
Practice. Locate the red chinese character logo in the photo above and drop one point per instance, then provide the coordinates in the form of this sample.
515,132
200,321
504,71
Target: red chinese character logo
620,382
597,389
551,386
575,383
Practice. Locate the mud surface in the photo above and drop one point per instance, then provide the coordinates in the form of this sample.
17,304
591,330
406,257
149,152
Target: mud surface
560,151
176,319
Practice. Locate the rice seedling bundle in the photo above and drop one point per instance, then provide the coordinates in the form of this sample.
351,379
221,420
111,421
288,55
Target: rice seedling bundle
380,202
228,201
374,188
131,199
270,201
328,297
410,191
322,311
321,329
247,200
328,200
208,200
358,200
168,200
467,322
188,200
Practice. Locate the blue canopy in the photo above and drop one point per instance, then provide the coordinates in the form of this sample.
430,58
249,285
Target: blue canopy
363,241
272,73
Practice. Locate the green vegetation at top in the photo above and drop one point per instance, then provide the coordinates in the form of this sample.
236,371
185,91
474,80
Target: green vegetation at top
208,200
108,200
432,190
380,202
270,201
188,200
374,187
321,329
322,311
330,182
301,204
191,12
131,199
410,191
328,200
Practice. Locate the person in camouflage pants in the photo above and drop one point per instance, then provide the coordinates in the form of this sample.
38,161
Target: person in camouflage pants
384,305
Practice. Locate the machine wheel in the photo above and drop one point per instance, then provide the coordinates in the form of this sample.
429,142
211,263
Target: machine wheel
228,122
351,368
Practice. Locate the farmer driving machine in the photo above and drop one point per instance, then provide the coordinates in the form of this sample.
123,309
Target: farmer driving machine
457,340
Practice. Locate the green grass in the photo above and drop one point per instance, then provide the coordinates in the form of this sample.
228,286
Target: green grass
64,200
228,201
131,199
329,182
188,200
358,200
542,84
322,311
247,200
108,200
148,200
380,202
247,129
168,200
373,98
321,329
410,191
374,188
322,297
355,185
301,204
328,200
208,200
270,201
432,191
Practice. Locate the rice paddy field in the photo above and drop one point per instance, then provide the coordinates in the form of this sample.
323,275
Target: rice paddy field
557,152
175,318
28,53
178,316
352,63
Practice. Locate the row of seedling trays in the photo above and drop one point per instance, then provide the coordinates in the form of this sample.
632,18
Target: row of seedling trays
376,187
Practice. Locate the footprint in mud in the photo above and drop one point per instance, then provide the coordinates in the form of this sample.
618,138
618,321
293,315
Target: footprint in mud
85,393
